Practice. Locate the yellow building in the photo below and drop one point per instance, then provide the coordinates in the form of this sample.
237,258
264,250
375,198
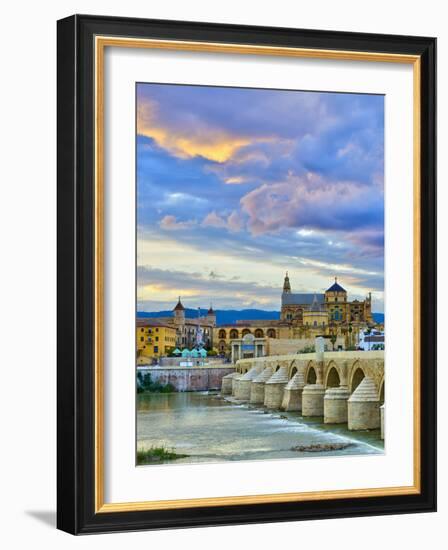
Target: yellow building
315,317
154,339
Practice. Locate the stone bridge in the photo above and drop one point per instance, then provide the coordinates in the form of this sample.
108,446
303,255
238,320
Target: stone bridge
344,386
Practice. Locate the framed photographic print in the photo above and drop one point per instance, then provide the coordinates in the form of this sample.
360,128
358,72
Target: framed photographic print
247,274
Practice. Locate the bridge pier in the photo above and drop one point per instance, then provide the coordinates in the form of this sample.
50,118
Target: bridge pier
313,400
363,406
273,392
235,382
292,397
226,383
257,388
335,405
242,389
313,394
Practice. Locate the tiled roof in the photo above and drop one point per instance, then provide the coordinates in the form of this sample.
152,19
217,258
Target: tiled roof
301,299
336,287
150,322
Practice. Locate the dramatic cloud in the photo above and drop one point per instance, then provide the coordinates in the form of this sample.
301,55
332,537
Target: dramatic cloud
313,202
192,138
252,182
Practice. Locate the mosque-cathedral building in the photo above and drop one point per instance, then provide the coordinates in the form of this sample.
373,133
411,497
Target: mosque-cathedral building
303,316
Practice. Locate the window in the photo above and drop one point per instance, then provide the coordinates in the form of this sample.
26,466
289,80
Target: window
156,349
157,330
142,339
157,338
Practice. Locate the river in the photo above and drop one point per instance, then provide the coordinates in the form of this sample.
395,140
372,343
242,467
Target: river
209,428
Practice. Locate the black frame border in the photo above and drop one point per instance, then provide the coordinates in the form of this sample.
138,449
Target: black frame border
76,263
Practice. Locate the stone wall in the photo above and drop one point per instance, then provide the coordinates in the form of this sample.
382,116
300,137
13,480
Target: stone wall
291,346
189,378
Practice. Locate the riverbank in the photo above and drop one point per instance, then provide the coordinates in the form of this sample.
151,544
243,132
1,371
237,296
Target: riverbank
186,379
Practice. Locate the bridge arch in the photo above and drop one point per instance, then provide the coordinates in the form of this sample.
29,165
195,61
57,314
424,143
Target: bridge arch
293,372
333,380
357,376
311,374
381,392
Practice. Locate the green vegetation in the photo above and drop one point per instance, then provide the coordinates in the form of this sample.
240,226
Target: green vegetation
145,383
154,455
307,349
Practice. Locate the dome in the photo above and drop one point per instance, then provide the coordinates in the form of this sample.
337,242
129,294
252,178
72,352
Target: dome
335,287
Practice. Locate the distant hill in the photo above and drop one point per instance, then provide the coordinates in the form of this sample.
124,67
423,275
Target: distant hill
229,316
378,317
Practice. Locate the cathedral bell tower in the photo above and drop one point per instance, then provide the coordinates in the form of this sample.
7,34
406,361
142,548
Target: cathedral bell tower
286,285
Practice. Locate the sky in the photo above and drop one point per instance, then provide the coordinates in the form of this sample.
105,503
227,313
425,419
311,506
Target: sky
236,186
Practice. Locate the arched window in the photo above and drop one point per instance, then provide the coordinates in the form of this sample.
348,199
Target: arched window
271,333
233,334
245,331
259,333
222,333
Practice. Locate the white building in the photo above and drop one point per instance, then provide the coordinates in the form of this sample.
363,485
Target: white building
371,340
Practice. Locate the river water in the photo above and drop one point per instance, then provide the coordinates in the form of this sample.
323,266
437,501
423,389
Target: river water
209,428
